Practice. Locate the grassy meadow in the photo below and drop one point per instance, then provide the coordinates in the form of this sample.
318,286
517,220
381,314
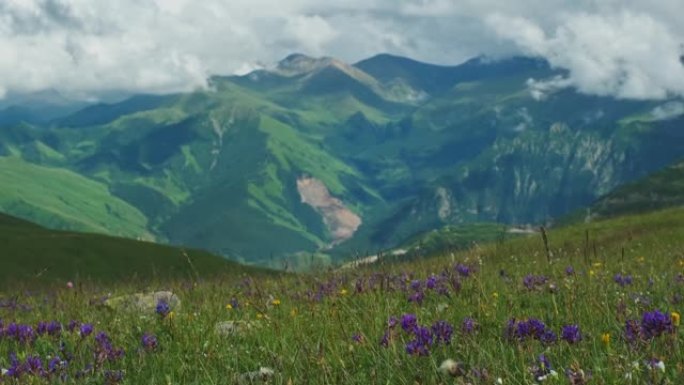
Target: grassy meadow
601,306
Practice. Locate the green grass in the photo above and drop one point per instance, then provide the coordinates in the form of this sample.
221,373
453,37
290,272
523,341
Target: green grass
33,254
302,325
63,199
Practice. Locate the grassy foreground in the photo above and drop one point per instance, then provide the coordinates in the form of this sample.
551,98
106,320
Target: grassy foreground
604,310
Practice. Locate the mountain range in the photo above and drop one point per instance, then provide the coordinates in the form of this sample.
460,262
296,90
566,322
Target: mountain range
315,159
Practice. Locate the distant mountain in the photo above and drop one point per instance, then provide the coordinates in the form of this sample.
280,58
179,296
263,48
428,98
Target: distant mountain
33,253
316,158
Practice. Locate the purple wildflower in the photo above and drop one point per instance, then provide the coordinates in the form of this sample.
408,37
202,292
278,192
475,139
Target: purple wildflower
149,342
468,326
417,297
409,322
163,308
86,330
571,334
655,323
463,270
622,280
442,331
420,345
569,271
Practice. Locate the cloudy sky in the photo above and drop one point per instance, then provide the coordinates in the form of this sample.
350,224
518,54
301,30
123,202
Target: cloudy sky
628,48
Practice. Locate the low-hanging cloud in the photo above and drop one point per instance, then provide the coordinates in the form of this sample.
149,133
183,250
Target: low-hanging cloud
84,48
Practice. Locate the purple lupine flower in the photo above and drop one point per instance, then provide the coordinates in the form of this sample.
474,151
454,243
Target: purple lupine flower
55,364
86,330
421,343
468,326
416,284
417,297
409,322
442,331
34,366
622,280
16,368
463,270
431,282
631,330
384,341
571,334
54,329
148,342
542,369
532,282
549,337
163,308
655,323
72,325
113,377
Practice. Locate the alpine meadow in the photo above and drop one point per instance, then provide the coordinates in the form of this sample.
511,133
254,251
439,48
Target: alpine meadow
434,192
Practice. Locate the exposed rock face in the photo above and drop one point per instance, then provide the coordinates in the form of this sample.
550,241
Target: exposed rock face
341,222
144,302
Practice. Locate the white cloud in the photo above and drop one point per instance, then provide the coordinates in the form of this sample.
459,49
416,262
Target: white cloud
668,111
627,48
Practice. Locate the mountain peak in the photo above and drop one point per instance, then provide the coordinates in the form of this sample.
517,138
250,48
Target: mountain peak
298,64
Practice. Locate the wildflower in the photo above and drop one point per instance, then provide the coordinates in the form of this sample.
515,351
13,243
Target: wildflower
148,342
571,334
358,338
569,271
86,330
275,302
451,368
605,338
468,326
655,363
549,337
409,322
463,270
344,292
229,306
70,285
543,369
417,297
423,339
655,323
622,280
171,315
676,318
293,312
163,308
442,331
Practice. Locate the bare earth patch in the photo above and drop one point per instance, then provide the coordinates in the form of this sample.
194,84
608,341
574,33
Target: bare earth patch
340,221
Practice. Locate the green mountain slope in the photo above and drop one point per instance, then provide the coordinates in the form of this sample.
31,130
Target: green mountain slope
318,157
660,190
33,253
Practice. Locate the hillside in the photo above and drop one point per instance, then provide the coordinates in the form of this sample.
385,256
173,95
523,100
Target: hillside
394,148
660,190
30,253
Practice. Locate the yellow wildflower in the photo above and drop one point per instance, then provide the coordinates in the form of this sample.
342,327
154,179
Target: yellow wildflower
259,315
171,315
495,295
598,264
293,312
343,292
605,338
275,302
676,318
229,307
